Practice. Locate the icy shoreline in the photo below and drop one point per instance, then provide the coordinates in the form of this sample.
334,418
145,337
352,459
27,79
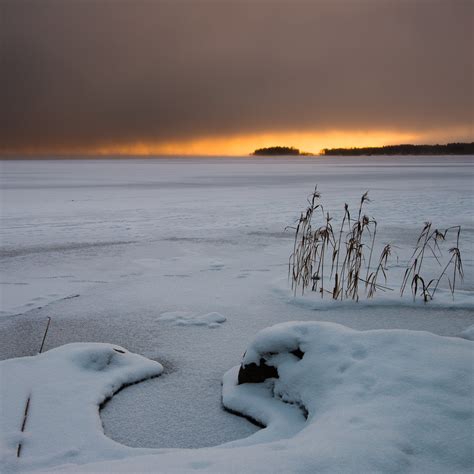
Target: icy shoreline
349,401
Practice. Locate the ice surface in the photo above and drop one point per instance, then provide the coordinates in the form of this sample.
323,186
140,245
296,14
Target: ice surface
105,247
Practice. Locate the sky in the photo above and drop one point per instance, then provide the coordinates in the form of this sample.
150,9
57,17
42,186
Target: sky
225,77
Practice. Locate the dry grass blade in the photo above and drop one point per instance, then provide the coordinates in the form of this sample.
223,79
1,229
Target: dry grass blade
456,262
371,280
429,240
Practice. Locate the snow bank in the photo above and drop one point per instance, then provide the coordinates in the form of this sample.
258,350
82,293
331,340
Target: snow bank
343,401
65,386
376,401
183,318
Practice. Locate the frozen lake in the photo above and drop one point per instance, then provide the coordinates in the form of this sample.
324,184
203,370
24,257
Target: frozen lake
114,250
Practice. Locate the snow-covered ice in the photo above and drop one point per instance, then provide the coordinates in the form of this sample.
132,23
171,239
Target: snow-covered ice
106,247
468,333
185,318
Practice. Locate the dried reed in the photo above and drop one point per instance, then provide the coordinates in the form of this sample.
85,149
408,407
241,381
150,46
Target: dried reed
428,241
349,253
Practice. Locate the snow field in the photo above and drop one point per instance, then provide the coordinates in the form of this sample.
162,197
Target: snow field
106,247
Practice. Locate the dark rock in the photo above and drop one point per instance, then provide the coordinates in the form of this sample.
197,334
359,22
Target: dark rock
253,373
256,373
298,353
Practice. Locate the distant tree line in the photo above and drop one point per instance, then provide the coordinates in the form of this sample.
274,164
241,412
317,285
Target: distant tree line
277,150
449,149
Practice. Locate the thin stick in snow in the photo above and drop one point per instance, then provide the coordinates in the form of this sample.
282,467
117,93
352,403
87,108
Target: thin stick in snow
45,334
27,406
25,416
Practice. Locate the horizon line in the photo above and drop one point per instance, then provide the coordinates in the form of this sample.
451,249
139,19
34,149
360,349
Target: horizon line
67,155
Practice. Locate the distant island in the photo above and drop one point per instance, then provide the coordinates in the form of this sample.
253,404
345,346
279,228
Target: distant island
280,151
449,149
405,149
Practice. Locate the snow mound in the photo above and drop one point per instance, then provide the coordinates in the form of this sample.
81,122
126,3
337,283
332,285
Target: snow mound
183,318
468,333
65,387
375,401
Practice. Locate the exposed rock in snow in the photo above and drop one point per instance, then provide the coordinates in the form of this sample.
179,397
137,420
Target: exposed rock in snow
184,318
256,373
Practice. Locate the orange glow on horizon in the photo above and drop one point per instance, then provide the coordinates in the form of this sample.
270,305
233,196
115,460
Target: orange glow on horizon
244,144
306,141
239,145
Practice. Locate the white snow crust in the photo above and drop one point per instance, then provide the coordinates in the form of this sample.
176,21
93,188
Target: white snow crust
184,318
468,333
375,401
66,386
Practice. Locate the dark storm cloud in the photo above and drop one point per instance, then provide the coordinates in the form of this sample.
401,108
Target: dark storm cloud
77,73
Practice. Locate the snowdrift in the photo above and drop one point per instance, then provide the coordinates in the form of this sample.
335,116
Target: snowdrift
374,401
331,399
66,387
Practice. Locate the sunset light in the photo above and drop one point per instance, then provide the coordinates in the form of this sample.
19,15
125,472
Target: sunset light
243,144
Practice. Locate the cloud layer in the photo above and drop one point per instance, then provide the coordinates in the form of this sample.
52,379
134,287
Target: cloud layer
88,74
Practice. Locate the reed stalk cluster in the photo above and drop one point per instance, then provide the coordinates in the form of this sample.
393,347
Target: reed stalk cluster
340,262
